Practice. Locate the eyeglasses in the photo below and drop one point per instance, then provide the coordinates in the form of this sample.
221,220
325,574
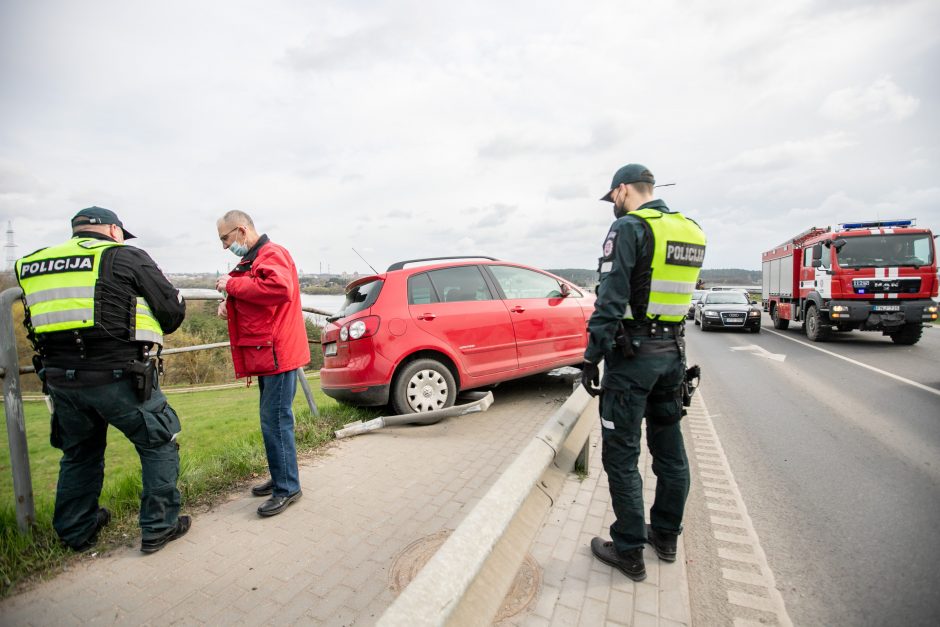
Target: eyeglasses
223,238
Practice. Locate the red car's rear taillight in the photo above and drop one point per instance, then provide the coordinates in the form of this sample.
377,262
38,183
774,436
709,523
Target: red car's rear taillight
359,328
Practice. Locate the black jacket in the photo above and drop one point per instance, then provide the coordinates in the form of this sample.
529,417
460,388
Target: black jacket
126,273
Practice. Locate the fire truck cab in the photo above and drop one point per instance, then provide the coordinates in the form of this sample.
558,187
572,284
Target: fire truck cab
872,276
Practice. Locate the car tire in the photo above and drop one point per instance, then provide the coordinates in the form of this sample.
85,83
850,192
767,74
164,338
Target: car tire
779,323
816,329
755,330
703,327
908,335
423,385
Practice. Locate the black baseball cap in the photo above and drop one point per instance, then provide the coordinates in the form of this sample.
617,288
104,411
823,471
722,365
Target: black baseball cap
630,173
99,215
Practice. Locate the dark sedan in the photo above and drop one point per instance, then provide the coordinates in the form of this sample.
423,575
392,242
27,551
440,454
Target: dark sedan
696,296
727,310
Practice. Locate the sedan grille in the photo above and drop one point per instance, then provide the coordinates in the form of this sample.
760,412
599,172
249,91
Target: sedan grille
733,318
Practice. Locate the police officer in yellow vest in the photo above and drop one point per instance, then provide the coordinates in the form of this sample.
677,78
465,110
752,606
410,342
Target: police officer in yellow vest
650,264
96,312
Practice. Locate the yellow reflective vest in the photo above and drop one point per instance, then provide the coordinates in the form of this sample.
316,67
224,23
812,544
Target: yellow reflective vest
59,289
678,253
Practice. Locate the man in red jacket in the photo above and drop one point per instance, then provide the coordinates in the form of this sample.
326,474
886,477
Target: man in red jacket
269,341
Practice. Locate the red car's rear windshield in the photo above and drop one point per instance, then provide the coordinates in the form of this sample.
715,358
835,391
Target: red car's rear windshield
358,298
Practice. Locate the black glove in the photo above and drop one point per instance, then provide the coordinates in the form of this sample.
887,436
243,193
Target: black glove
591,378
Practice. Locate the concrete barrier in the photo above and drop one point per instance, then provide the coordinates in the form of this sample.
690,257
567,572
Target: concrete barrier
465,582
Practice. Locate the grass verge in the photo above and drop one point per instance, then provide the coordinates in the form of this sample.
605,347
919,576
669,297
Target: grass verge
220,449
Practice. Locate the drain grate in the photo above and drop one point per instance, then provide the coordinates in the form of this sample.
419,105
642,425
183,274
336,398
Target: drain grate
412,558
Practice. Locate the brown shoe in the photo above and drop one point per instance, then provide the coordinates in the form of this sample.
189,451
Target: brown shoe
630,563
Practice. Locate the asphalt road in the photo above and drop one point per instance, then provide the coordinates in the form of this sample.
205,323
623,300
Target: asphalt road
839,467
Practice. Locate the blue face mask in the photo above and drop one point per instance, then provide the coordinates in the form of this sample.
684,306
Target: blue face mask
239,250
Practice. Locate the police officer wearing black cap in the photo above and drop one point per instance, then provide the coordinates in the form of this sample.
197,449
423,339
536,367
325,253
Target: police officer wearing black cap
96,312
649,267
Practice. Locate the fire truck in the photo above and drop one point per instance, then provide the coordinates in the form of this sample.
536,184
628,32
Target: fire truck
872,276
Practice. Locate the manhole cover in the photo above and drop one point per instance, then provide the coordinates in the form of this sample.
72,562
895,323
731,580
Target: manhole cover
413,557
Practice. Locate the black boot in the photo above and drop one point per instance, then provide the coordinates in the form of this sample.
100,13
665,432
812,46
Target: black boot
152,545
102,518
630,563
663,543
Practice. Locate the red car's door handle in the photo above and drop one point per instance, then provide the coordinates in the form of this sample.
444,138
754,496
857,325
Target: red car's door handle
517,309
427,316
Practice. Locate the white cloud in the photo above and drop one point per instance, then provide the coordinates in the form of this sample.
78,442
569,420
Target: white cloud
789,154
384,125
882,100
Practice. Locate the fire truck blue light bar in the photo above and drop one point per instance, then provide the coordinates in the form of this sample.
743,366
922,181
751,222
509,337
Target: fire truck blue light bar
877,224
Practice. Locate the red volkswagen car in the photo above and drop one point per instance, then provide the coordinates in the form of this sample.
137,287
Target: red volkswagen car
425,329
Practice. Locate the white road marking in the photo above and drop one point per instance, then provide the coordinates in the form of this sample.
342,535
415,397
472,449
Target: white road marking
890,375
746,574
760,351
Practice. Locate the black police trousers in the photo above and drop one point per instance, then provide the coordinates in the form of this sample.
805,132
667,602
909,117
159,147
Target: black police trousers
647,384
80,420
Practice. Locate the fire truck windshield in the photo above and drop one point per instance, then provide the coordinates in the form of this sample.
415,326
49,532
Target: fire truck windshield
882,251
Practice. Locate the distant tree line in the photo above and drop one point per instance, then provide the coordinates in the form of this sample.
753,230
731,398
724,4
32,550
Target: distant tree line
722,276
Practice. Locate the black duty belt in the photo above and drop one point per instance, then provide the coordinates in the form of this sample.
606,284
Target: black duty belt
68,377
657,330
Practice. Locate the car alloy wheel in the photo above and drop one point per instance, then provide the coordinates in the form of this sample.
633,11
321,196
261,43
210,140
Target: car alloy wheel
424,385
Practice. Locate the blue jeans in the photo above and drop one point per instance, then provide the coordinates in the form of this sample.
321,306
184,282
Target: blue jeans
277,430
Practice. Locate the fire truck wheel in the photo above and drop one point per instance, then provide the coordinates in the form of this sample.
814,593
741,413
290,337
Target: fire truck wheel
779,323
816,329
908,334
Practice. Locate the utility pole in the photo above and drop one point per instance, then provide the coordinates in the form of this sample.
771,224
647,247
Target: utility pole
10,247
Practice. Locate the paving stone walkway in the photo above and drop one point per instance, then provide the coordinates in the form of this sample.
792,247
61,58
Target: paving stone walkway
327,560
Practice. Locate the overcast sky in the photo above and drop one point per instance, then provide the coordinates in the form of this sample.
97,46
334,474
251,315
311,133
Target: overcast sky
413,129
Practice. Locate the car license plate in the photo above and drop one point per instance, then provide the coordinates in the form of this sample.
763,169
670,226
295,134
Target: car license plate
887,308
329,349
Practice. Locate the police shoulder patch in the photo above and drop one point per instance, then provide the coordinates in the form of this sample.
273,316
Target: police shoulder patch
609,243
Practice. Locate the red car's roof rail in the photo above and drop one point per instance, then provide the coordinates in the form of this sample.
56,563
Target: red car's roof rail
401,264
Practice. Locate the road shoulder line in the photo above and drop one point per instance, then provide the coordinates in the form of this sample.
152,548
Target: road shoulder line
890,375
748,579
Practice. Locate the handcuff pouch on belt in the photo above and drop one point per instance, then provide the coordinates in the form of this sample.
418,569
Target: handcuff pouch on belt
625,341
690,384
143,375
40,372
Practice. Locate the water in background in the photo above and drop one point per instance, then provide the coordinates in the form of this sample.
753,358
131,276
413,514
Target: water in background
325,302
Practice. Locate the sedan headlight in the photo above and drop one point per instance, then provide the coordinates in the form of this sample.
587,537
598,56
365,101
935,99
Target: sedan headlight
711,314
754,313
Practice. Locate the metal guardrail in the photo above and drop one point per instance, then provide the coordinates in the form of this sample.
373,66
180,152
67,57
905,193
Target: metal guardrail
10,372
465,582
16,418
